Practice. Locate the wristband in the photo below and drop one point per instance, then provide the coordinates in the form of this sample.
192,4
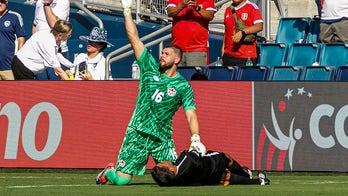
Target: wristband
198,8
46,4
243,33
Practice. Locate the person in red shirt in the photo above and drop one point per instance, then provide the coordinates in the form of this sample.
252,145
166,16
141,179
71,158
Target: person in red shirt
235,52
190,29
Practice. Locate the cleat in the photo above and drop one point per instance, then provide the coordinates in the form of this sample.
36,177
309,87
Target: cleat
101,179
247,170
262,176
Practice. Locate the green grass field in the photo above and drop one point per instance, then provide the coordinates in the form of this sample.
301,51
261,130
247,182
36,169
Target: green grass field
82,182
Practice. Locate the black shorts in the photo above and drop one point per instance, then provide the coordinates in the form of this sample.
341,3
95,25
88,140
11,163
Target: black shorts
20,71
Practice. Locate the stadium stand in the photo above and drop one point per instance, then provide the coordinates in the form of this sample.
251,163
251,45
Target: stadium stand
302,54
313,31
188,71
221,72
285,73
252,73
318,73
342,74
272,54
292,29
334,54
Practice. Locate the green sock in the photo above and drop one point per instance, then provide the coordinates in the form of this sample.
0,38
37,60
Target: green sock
114,178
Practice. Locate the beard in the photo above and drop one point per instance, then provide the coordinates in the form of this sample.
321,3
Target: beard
165,66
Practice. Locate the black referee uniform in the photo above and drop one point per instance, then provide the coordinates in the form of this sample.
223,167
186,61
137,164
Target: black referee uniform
196,170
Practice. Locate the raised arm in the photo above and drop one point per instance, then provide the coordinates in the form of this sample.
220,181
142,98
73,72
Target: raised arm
131,29
51,17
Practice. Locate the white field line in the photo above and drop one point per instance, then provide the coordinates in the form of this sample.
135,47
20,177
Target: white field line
33,177
43,186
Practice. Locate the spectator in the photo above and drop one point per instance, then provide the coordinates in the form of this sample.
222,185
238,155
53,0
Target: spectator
190,29
334,21
211,169
40,52
11,27
235,49
47,13
93,59
162,90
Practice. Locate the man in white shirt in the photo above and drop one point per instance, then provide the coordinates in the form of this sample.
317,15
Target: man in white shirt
334,21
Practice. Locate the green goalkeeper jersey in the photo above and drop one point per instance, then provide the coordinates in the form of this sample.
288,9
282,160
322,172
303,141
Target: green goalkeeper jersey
159,97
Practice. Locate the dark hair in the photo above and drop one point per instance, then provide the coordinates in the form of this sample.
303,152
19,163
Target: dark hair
198,75
176,48
105,45
162,176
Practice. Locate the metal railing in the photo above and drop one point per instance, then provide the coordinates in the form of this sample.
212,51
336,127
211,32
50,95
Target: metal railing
109,59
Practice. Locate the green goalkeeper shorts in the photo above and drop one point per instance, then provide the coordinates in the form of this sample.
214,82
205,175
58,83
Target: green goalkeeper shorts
137,147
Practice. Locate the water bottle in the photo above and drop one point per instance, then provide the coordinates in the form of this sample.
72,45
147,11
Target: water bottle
135,71
249,62
218,61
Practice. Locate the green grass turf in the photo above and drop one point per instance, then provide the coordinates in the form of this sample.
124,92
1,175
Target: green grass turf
82,182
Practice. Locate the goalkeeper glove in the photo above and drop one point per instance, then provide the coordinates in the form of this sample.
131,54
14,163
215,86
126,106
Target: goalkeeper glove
127,4
197,145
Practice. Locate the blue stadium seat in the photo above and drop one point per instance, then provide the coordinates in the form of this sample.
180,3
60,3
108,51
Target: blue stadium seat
342,73
272,54
285,73
318,73
291,30
221,72
252,73
313,31
334,54
188,71
302,54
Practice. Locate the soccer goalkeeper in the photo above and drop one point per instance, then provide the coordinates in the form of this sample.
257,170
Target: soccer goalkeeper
213,168
162,90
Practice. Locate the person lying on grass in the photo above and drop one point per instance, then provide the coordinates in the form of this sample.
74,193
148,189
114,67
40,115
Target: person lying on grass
194,168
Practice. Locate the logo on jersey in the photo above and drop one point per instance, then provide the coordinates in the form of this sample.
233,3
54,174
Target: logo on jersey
7,23
156,78
122,163
171,92
244,16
